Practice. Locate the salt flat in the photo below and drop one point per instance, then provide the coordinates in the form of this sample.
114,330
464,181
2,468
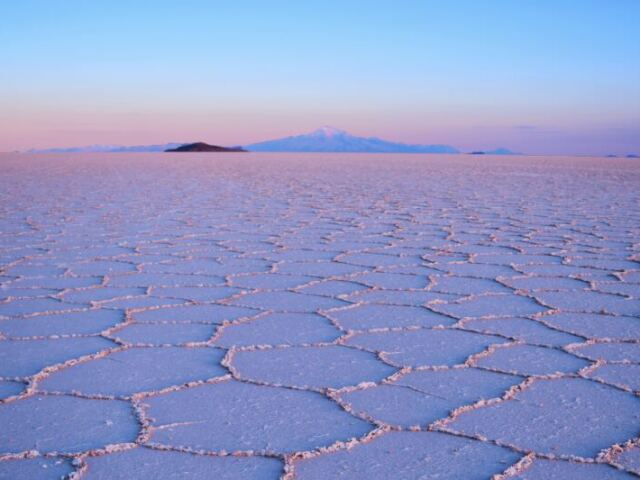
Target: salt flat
319,316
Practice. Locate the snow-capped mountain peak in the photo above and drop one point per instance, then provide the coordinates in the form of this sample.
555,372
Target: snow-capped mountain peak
327,131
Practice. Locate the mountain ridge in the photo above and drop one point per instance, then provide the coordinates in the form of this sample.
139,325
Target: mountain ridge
331,139
109,148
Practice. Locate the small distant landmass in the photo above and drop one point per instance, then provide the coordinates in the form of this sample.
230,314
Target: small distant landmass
630,155
204,147
330,139
497,151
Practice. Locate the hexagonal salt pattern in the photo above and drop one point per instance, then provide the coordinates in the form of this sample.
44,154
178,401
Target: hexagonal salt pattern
327,316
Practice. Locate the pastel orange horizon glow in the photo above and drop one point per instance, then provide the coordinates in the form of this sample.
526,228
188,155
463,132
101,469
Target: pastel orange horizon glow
539,77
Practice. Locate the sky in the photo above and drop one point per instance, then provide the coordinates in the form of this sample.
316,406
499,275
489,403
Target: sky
536,76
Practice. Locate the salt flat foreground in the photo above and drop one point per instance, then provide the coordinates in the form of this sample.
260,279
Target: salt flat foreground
317,317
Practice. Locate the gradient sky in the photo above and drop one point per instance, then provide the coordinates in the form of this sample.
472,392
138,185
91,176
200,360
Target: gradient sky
538,76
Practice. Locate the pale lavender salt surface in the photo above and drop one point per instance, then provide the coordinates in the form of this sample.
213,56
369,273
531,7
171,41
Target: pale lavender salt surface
22,358
206,313
411,455
369,316
467,286
611,352
423,347
36,468
531,360
279,329
400,297
160,312
9,389
542,469
505,305
63,324
332,288
526,330
596,326
630,459
100,294
557,417
248,417
281,301
156,334
331,366
137,370
64,424
622,375
29,306
165,465
422,397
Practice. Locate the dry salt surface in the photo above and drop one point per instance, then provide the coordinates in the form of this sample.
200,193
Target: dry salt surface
319,316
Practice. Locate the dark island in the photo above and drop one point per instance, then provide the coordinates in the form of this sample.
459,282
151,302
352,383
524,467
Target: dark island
204,147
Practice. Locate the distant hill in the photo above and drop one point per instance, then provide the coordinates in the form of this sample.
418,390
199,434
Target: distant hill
203,147
329,139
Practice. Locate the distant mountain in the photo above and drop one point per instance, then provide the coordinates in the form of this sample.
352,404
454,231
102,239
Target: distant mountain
329,139
502,151
203,147
109,149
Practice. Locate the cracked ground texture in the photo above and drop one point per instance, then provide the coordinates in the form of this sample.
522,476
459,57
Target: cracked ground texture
319,316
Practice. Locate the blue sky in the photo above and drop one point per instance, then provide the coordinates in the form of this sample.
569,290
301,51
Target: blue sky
536,76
